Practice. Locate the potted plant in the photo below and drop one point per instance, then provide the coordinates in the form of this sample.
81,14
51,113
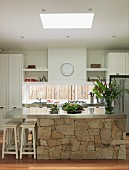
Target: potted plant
108,93
72,108
54,109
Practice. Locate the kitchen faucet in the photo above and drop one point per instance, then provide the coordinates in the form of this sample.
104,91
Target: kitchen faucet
39,99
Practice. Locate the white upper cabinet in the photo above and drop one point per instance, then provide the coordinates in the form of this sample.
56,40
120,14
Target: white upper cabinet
127,63
117,64
3,80
15,80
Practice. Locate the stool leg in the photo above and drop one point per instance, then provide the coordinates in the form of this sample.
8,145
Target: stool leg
3,148
18,135
21,147
34,149
16,144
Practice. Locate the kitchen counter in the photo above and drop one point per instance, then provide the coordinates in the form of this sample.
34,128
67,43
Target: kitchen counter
80,136
36,112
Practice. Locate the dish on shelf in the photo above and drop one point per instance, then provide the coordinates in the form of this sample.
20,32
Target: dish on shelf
95,65
31,66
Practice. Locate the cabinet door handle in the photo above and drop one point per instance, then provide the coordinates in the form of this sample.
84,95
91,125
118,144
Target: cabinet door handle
1,107
14,107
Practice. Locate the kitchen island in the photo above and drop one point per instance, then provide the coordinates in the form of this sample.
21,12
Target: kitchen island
76,136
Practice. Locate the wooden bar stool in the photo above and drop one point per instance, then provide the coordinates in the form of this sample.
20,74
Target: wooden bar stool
27,146
11,138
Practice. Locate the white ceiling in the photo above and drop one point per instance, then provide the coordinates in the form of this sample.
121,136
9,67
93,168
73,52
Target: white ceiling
21,18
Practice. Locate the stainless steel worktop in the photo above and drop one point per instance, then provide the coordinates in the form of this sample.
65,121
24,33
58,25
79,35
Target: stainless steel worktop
44,112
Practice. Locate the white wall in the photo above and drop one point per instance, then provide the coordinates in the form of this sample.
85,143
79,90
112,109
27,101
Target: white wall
74,55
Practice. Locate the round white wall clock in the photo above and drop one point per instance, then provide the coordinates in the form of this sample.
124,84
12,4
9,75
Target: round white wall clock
67,69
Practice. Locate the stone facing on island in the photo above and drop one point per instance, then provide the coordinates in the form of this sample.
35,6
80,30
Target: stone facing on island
81,138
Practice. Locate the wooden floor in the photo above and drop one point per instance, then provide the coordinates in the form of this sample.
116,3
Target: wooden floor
28,163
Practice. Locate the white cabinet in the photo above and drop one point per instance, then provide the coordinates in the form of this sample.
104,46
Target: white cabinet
2,120
11,66
3,80
117,64
15,80
3,87
127,63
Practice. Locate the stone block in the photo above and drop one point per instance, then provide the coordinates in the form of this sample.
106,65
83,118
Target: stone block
76,145
116,132
82,136
90,146
55,152
118,142
80,125
64,141
105,153
46,122
98,142
53,142
94,132
67,147
66,155
69,121
56,135
76,155
82,149
42,153
59,122
108,125
122,152
43,142
90,155
105,136
120,123
96,124
44,132
66,129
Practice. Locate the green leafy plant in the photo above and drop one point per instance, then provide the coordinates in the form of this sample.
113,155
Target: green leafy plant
54,108
72,107
108,92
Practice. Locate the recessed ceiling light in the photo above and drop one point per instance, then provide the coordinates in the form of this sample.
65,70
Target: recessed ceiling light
113,36
90,9
22,36
71,20
44,10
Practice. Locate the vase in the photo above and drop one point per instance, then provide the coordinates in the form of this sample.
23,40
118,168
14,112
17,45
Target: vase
109,106
53,112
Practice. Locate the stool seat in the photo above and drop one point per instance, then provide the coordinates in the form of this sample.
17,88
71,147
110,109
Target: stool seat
27,146
10,124
10,138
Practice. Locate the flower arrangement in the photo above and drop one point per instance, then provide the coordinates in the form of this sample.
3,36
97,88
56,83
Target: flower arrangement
72,108
108,92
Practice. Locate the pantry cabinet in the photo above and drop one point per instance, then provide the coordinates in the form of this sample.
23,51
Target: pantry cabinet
15,80
3,80
127,63
11,66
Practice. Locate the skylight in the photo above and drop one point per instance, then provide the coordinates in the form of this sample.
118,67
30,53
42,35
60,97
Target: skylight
71,20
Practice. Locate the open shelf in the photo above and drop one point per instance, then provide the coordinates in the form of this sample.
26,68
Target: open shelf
96,69
26,69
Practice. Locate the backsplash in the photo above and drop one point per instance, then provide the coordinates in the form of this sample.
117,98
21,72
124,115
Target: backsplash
57,92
